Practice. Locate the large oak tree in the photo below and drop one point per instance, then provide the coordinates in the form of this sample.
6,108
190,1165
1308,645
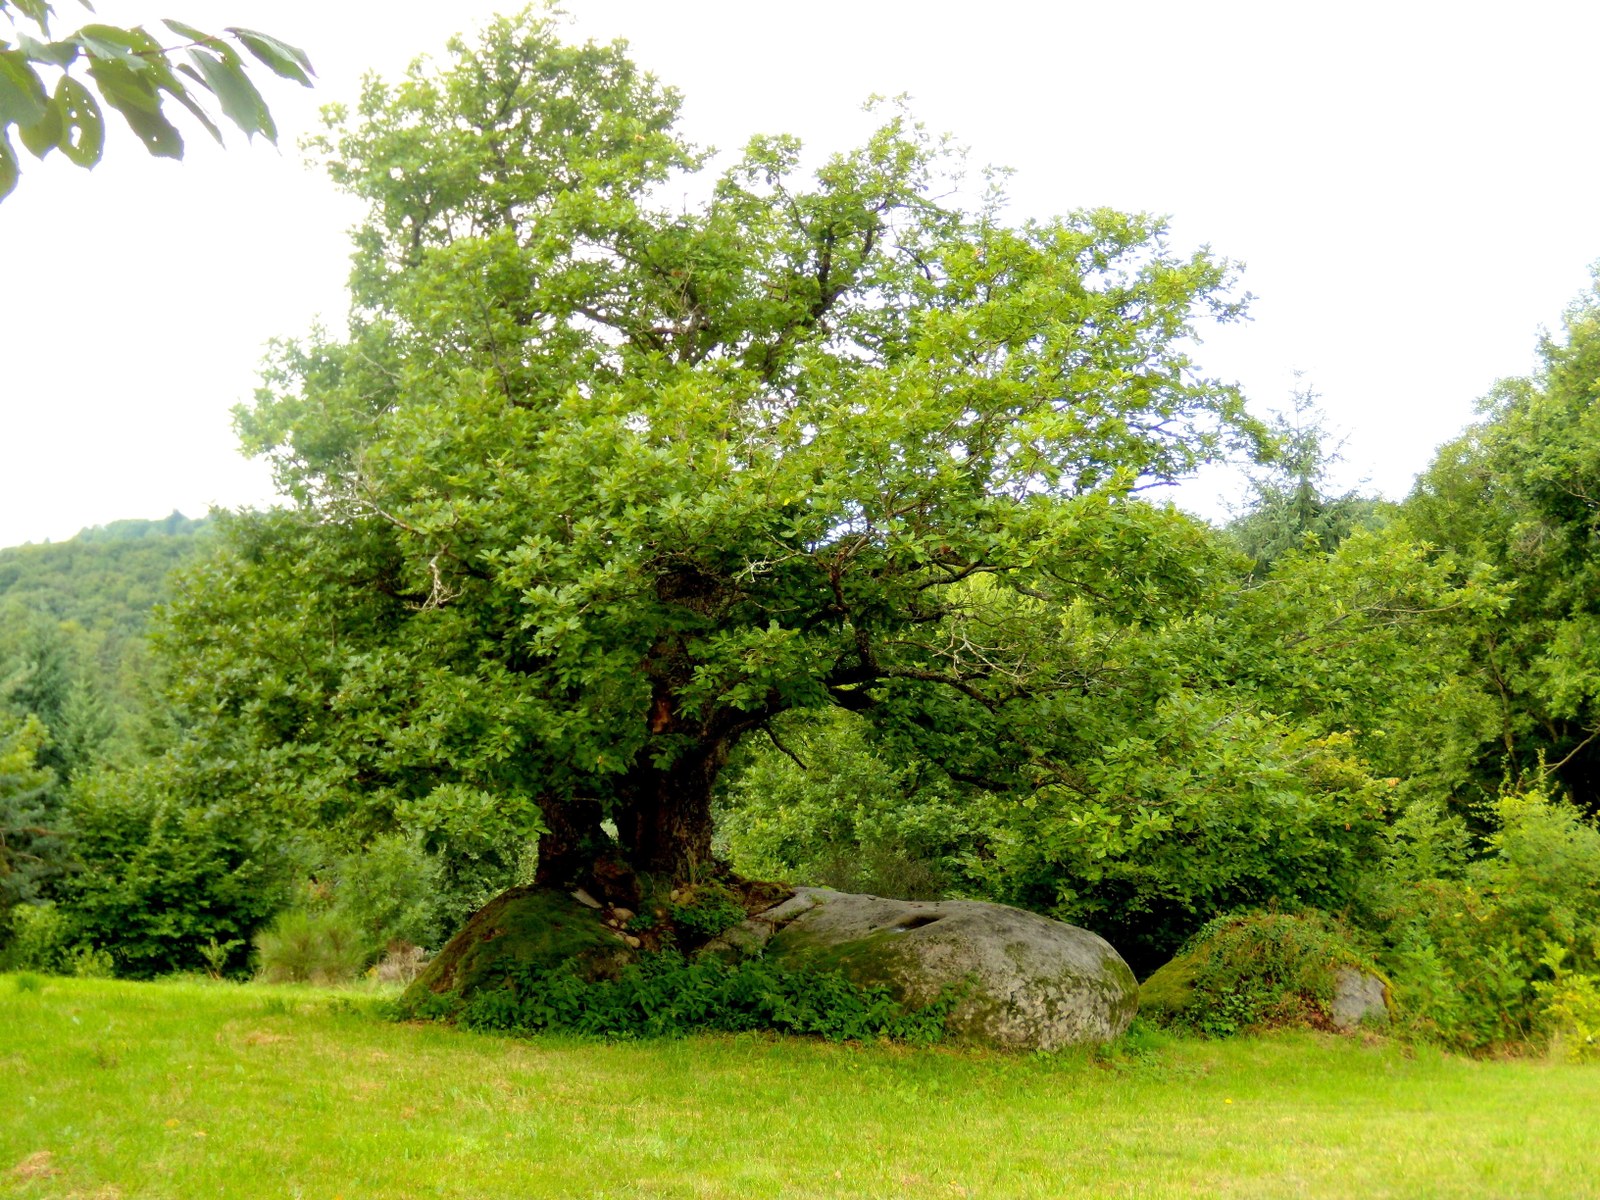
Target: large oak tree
603,479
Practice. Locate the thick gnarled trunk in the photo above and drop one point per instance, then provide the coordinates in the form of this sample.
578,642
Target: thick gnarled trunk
664,823
570,844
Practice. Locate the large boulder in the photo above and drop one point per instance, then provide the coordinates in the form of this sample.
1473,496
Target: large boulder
524,929
1024,981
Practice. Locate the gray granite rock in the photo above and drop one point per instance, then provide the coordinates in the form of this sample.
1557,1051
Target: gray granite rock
1025,981
1358,998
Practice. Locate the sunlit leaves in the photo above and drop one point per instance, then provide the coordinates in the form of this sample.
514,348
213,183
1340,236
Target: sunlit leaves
280,57
128,70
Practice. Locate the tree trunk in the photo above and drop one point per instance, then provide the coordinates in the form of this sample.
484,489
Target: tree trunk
567,852
665,823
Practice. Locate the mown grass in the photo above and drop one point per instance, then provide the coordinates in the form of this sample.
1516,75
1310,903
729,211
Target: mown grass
184,1089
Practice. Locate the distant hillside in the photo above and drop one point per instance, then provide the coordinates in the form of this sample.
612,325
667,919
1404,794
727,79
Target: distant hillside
106,578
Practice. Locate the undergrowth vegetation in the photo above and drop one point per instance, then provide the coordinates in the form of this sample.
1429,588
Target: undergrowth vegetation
668,994
1490,950
1254,971
1484,948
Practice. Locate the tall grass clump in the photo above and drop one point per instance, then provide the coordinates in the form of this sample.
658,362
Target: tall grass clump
306,947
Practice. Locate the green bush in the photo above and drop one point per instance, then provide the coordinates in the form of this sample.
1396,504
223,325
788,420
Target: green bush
39,938
704,910
161,878
89,962
1468,943
1203,808
1254,970
1572,1003
43,937
311,947
391,891
667,995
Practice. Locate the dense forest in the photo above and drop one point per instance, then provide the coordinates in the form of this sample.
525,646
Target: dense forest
805,535
105,580
73,620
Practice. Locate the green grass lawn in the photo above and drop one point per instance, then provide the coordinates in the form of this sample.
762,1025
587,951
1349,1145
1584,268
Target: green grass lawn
186,1089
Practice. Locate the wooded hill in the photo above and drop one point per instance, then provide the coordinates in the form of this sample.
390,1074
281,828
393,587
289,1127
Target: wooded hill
106,578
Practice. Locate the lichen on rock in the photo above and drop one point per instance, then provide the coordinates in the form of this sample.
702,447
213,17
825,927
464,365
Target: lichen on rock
1021,980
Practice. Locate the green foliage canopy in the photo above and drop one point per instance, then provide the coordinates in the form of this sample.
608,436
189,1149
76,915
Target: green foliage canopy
1520,494
601,482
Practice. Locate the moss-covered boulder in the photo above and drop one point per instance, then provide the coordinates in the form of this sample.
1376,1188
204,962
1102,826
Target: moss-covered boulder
1023,981
531,928
1268,969
1169,992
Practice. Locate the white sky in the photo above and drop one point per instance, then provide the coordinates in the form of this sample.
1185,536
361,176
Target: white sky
1413,187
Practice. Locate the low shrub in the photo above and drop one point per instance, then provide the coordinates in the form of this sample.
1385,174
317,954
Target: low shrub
44,937
391,890
39,938
702,911
91,962
1572,1003
305,947
885,869
667,994
1473,947
401,963
1254,970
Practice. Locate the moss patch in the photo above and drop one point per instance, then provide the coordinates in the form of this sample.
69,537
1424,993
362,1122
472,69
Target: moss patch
522,928
1171,989
1254,970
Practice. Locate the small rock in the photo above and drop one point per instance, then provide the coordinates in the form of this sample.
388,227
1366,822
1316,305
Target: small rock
614,923
583,898
675,895
622,914
1358,998
631,940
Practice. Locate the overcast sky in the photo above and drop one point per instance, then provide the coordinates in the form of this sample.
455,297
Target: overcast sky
1413,189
